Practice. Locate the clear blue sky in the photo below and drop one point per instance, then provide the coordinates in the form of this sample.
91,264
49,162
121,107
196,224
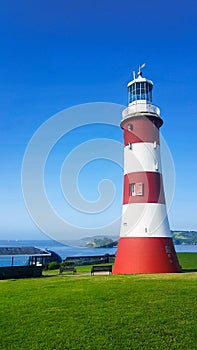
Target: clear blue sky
57,54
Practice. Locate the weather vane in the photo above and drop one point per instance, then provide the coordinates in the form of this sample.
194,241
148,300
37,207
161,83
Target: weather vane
140,67
139,70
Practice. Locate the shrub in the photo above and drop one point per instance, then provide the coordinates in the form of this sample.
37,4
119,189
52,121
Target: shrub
53,265
67,263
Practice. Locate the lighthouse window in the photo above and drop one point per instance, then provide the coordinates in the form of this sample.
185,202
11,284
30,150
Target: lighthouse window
149,92
132,190
140,91
130,127
137,189
138,88
168,249
143,93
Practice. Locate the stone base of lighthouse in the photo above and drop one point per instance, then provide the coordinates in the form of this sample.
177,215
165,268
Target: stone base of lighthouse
137,255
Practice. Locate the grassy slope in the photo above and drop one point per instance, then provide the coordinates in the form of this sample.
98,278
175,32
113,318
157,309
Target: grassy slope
100,312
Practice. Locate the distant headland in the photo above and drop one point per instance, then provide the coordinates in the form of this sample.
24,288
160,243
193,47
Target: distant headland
179,238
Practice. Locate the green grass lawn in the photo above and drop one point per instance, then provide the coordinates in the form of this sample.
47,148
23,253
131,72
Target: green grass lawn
99,312
188,261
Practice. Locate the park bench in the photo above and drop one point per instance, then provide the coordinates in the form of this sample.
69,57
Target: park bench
68,268
101,268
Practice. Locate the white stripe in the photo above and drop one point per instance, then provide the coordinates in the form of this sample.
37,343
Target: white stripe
145,220
142,156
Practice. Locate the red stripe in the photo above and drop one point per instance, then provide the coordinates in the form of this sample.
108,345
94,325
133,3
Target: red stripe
142,130
152,184
146,255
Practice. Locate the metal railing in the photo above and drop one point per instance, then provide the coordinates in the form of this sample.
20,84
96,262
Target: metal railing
140,107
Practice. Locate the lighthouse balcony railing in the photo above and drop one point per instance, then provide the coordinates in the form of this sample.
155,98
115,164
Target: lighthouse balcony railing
140,107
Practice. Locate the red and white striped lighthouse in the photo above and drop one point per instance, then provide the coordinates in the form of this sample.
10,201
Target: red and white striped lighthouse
145,244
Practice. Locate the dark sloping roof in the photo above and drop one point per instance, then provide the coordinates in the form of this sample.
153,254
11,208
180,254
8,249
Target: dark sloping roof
54,257
29,251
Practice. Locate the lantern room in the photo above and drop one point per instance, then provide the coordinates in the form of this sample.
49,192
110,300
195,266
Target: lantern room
140,89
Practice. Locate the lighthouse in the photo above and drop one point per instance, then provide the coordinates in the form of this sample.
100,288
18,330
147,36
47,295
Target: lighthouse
145,244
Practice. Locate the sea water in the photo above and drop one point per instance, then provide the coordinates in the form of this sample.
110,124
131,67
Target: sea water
63,250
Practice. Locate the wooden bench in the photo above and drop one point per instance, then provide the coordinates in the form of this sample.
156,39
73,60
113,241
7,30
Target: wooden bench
68,268
101,268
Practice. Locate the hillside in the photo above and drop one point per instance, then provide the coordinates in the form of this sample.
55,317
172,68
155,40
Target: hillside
184,237
179,238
